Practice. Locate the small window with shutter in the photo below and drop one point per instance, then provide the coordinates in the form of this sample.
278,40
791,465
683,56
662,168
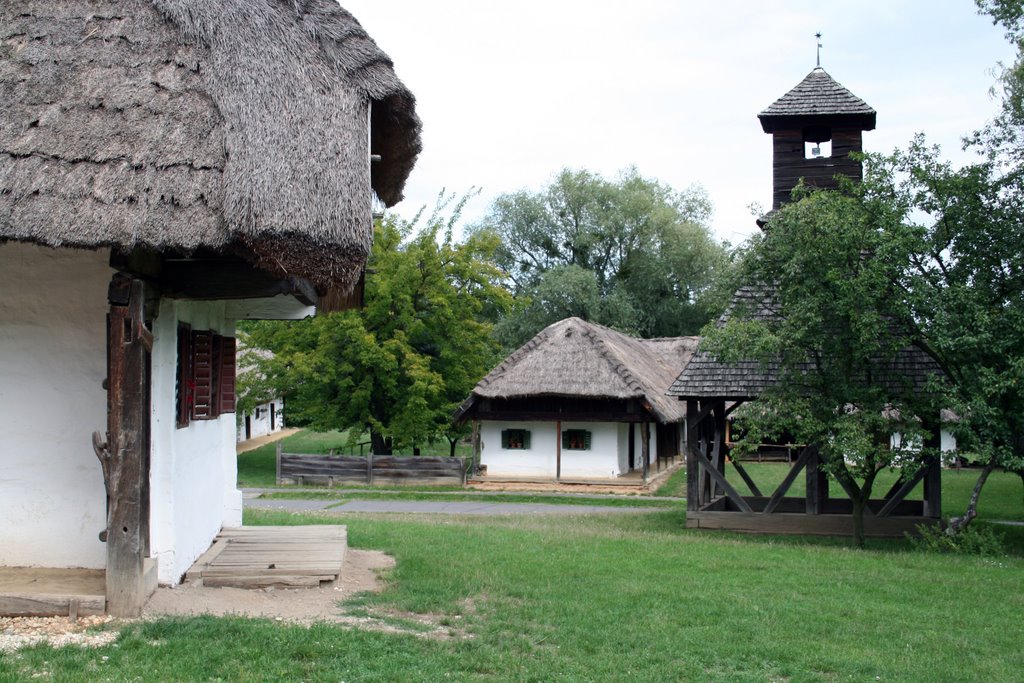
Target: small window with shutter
576,440
515,439
205,381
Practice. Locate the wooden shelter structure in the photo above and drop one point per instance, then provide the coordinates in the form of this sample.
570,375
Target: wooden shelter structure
816,110
579,402
167,167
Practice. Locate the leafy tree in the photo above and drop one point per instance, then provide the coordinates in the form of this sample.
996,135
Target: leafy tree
400,366
946,247
825,272
630,253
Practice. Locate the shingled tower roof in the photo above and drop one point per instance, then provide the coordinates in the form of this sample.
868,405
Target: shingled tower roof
818,95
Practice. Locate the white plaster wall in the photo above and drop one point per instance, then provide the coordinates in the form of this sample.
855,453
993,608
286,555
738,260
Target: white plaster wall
53,306
608,456
194,472
260,426
602,460
537,461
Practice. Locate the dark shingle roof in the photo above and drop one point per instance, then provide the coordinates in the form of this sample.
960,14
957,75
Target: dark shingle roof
818,95
706,377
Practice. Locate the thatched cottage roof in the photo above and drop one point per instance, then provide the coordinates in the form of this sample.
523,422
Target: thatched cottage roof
705,377
577,359
236,125
818,96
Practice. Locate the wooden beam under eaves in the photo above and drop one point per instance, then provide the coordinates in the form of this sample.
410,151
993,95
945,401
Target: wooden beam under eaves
226,280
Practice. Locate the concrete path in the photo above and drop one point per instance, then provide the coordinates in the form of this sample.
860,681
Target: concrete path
484,507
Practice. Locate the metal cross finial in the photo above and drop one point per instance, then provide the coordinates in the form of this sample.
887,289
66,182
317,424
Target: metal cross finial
818,36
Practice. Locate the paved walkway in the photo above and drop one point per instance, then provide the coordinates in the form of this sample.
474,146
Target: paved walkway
484,507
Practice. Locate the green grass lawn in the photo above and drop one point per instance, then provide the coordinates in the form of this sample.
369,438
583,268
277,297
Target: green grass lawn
604,598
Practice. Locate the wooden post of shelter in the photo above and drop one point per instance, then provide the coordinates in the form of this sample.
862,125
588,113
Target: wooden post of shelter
475,440
932,506
692,468
558,450
279,451
124,455
645,446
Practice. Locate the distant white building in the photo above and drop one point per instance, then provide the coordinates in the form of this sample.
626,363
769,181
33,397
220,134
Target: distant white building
580,401
265,419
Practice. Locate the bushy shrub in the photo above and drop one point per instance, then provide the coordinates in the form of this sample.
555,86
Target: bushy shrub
974,540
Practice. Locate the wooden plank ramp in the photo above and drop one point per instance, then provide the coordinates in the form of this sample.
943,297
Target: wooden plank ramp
39,592
273,556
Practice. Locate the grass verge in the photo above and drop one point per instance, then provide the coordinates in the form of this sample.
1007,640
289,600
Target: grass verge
605,598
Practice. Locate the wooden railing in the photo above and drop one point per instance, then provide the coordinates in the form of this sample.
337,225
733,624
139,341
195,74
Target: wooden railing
332,470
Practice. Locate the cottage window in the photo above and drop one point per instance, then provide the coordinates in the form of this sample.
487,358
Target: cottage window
205,375
515,439
576,440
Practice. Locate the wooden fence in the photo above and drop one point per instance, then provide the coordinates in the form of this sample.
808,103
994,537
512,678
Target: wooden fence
331,470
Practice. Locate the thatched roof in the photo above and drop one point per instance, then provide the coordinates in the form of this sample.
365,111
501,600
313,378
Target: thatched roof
818,96
235,125
704,376
577,359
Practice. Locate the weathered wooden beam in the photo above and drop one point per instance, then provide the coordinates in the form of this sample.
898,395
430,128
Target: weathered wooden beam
126,449
700,411
746,478
801,461
645,446
558,450
213,279
720,479
692,467
894,498
933,489
813,483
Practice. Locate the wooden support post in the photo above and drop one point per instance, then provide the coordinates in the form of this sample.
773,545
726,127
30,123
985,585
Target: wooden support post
125,452
558,450
692,468
645,446
933,475
933,489
813,497
476,446
369,468
280,450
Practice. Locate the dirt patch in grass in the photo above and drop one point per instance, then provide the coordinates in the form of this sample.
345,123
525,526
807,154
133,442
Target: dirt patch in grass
360,573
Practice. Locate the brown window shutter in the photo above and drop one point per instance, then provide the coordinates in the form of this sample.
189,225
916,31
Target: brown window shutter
226,375
183,378
202,375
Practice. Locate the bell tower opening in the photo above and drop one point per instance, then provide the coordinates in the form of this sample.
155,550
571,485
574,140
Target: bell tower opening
814,128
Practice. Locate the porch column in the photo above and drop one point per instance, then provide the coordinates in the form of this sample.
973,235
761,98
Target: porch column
125,455
558,450
645,446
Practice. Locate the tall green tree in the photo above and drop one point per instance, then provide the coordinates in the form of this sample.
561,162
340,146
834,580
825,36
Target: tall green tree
400,366
631,253
825,271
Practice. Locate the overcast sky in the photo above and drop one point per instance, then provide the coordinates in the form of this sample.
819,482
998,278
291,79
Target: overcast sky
510,93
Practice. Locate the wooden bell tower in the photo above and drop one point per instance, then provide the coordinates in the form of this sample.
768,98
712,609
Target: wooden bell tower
814,128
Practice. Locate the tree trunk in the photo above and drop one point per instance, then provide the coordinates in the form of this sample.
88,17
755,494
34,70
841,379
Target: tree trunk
451,446
380,444
958,524
859,503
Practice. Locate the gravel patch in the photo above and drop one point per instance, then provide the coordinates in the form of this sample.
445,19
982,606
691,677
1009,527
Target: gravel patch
18,632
